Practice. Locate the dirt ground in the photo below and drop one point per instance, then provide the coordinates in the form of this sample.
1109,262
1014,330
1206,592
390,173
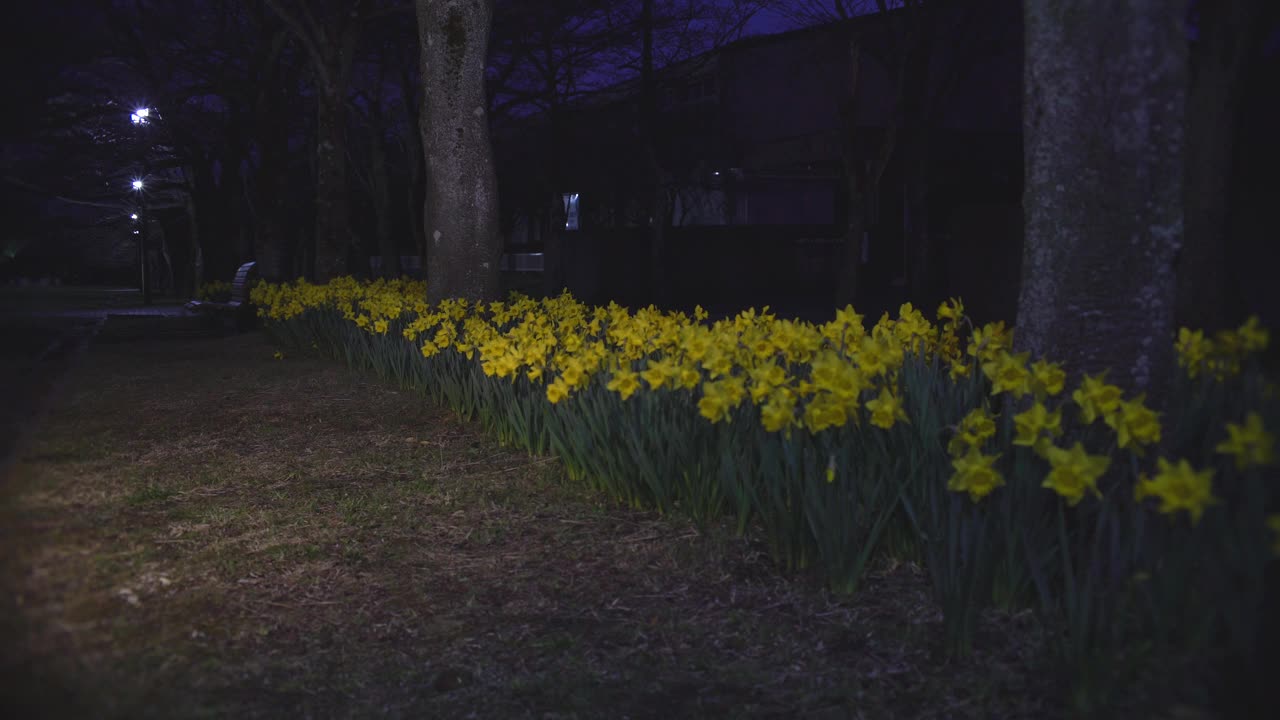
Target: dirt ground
201,530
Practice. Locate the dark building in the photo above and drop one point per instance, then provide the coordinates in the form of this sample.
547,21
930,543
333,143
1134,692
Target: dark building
754,144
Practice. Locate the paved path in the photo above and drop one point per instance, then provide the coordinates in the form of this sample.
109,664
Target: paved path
43,332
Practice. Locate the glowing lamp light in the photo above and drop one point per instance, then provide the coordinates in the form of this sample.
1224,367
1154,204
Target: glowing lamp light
140,116
137,184
133,216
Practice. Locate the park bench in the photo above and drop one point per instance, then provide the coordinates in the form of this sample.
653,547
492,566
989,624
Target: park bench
238,309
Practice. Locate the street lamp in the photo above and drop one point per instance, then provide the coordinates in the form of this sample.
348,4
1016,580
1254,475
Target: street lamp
138,118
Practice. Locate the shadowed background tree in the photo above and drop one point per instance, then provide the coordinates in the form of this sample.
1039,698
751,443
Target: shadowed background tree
1104,97
929,47
1228,36
328,31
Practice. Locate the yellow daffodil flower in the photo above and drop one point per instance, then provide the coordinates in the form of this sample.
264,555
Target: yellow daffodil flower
1178,487
975,475
1073,472
1249,444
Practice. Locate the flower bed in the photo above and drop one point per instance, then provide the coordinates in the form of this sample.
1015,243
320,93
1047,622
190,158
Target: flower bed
1133,535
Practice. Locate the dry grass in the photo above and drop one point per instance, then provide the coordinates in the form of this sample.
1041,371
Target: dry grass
200,530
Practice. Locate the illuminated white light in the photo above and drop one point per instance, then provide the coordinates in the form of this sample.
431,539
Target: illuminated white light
137,184
139,116
134,216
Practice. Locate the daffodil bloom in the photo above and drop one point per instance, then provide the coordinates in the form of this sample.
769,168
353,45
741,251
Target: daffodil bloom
557,391
989,340
824,411
849,318
886,409
1008,373
975,475
764,379
1178,487
974,429
1073,472
624,382
1250,444
779,413
688,377
573,373
1047,378
716,402
951,309
1136,425
1096,398
659,372
717,362
1253,337
1036,426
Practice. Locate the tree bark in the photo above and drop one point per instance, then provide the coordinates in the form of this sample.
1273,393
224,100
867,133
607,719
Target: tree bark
1104,95
464,242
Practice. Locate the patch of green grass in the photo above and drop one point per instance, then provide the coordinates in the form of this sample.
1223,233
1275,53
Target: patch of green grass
149,493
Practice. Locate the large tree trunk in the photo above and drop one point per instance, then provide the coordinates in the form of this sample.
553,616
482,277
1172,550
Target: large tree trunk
1104,94
1229,32
464,242
332,224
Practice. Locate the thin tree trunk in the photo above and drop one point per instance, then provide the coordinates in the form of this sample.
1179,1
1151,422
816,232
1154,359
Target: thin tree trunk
923,272
194,273
465,245
1104,93
553,245
649,129
854,232
332,222
380,187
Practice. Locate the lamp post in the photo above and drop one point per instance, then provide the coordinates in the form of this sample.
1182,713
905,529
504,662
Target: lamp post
142,245
140,118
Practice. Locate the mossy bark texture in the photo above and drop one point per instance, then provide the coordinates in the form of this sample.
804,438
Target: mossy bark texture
1103,115
464,246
